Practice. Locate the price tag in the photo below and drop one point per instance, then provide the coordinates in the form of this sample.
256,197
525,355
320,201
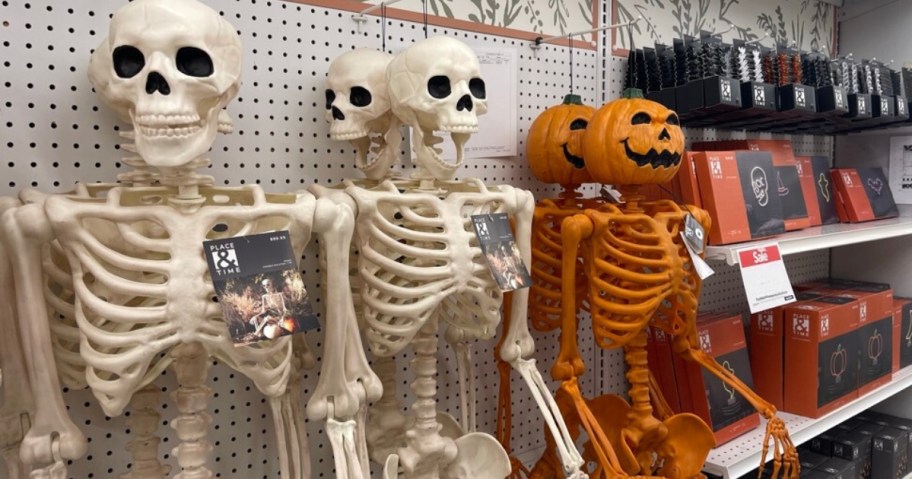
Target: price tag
694,235
259,287
766,282
495,236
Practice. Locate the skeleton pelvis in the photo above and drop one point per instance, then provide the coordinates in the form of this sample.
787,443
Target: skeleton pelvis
675,448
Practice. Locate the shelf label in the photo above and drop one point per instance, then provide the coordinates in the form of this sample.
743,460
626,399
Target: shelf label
766,282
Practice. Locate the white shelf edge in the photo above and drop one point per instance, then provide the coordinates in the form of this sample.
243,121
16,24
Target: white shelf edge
810,428
820,237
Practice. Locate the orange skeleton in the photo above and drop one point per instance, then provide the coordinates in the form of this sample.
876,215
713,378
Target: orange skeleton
636,272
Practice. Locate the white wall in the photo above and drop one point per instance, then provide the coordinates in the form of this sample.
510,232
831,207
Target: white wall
877,28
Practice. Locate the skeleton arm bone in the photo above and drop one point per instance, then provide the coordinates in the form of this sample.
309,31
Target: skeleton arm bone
53,437
519,344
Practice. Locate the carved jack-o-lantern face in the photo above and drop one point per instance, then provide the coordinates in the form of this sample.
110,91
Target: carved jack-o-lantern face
554,144
633,141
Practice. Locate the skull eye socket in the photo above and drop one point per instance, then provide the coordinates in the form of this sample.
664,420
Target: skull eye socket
477,87
641,118
579,124
192,61
330,98
439,87
128,61
673,119
359,96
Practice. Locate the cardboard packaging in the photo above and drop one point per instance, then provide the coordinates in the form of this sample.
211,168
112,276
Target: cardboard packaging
738,190
687,180
862,194
902,338
819,196
718,404
810,459
838,468
787,184
889,454
856,447
767,349
876,355
661,364
823,443
821,354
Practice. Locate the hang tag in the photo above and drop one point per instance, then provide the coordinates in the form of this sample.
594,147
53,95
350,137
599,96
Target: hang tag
259,287
495,236
702,269
611,195
766,281
694,234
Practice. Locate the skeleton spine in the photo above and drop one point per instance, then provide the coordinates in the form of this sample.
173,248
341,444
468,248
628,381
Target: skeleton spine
638,374
191,365
143,447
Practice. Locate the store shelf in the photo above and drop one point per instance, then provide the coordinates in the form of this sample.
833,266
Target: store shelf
742,455
819,237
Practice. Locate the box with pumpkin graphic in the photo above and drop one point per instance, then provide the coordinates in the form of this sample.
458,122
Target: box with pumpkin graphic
902,333
862,194
719,404
821,355
737,189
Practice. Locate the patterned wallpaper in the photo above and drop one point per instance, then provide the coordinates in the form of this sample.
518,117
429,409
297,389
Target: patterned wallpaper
810,23
541,16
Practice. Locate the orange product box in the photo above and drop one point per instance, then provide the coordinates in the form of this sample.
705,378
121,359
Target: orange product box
902,338
687,180
718,404
862,194
735,188
821,355
787,181
662,367
767,350
819,197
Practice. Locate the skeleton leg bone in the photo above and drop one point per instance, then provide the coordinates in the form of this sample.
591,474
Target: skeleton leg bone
785,456
191,365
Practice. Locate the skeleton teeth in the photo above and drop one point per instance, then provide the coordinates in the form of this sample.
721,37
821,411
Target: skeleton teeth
169,132
345,136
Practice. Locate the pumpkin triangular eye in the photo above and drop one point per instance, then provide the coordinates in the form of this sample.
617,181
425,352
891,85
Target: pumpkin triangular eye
673,120
579,124
641,118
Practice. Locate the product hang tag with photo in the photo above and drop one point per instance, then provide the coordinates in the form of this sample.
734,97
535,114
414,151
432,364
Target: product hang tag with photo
702,268
695,241
766,281
495,237
259,287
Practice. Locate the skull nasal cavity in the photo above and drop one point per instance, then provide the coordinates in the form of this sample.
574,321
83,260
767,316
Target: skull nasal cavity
337,114
465,103
156,82
664,135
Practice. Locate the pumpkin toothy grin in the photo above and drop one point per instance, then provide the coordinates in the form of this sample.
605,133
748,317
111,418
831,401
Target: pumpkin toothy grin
652,158
574,160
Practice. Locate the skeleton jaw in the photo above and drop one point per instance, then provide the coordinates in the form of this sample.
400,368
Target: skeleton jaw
430,164
174,139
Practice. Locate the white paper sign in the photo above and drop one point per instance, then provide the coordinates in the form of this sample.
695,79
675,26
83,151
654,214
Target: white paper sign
498,133
901,169
766,282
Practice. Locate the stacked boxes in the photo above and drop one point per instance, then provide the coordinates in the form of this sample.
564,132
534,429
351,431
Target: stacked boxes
862,194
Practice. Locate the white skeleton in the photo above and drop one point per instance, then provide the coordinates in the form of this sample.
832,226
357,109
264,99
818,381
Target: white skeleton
419,263
358,110
134,281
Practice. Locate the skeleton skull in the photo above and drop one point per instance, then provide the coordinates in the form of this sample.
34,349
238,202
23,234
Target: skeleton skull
358,106
169,67
436,85
759,185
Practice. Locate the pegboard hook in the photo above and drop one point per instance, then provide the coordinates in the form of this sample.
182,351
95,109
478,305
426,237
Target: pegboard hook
537,43
758,40
731,26
360,17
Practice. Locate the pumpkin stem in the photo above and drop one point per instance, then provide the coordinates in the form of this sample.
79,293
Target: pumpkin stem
572,99
631,93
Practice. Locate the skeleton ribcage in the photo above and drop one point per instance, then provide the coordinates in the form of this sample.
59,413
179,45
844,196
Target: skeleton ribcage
638,272
418,257
141,286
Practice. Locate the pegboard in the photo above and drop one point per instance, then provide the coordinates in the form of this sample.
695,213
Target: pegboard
56,133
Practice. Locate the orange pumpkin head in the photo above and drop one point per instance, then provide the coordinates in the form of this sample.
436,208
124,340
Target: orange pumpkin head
553,147
633,141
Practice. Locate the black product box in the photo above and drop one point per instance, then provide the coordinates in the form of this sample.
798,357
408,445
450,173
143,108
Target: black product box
889,454
826,191
856,447
823,444
838,468
814,474
801,98
905,425
758,102
875,339
810,459
832,100
665,96
860,106
849,424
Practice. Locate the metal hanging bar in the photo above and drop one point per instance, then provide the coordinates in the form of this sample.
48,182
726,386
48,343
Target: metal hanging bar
758,40
538,41
731,26
360,17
